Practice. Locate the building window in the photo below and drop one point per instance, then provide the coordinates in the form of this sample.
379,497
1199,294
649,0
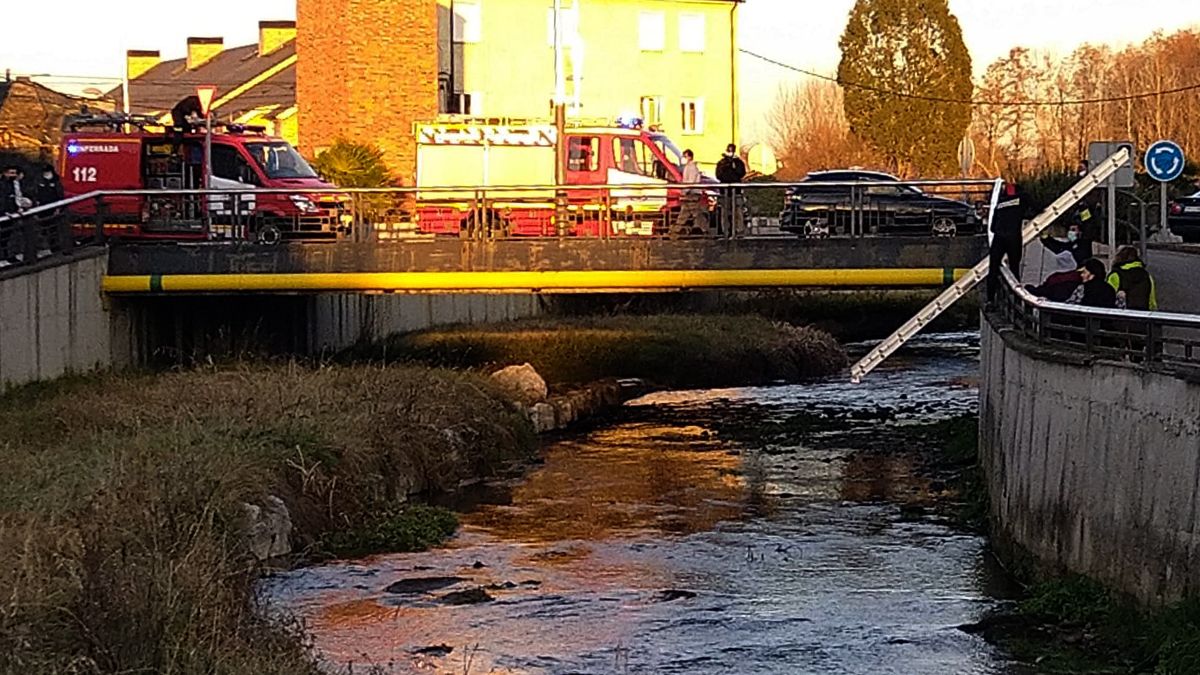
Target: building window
468,22
652,31
570,27
692,115
691,33
651,109
583,153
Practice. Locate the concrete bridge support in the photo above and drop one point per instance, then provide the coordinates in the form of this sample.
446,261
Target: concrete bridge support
54,320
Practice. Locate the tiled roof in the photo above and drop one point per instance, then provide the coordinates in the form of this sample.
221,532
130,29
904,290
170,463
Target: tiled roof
31,115
164,85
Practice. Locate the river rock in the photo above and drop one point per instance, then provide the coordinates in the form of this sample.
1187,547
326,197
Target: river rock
522,383
543,418
675,594
422,585
472,596
269,528
434,650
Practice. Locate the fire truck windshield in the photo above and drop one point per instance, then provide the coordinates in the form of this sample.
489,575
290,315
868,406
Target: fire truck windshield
280,160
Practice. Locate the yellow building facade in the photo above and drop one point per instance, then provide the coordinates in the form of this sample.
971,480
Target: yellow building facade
671,62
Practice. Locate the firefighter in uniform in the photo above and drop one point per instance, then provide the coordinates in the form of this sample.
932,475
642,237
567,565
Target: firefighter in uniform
1007,223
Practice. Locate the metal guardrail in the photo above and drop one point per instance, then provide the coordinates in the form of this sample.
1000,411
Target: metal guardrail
706,210
1136,336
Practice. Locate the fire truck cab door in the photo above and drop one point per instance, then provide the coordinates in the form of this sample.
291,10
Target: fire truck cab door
636,164
232,172
584,161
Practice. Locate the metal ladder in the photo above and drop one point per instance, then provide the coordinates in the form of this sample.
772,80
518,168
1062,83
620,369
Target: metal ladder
977,274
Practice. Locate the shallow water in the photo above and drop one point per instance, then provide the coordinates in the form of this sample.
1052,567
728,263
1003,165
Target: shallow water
700,532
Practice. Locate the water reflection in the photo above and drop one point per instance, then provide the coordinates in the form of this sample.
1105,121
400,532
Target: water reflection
625,479
734,531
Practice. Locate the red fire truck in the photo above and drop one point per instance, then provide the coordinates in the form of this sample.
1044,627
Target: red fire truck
505,155
122,152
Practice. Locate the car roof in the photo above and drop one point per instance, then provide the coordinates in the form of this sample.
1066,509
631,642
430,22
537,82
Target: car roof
850,175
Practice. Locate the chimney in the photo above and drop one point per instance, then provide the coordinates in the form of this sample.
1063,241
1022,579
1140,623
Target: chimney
201,50
139,62
272,35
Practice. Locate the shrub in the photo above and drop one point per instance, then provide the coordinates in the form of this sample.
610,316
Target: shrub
671,350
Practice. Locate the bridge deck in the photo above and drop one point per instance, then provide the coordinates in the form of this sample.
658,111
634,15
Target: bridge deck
541,265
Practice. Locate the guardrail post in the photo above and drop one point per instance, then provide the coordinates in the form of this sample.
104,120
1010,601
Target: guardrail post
1153,336
63,234
98,220
29,237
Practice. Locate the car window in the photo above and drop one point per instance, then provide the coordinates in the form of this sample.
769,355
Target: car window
229,164
885,190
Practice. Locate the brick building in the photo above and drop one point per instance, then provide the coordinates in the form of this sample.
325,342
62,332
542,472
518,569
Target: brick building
371,78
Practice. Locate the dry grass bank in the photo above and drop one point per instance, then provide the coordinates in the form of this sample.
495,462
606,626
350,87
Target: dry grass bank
121,501
669,350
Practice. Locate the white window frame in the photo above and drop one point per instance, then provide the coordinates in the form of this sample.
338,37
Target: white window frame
652,31
693,33
468,24
657,102
691,108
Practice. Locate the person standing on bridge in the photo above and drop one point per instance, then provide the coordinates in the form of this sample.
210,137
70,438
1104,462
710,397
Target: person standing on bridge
1077,243
1132,283
689,207
731,169
12,199
1007,222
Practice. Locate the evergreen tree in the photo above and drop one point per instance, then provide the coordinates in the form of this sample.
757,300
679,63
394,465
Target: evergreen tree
911,48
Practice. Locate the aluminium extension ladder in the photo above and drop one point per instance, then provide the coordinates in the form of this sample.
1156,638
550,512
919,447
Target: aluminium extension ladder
979,273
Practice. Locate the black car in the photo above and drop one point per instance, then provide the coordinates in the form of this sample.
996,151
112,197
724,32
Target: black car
818,208
1183,217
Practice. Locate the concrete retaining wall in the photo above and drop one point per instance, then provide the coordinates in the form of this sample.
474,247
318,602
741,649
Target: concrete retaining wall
53,321
1093,467
343,320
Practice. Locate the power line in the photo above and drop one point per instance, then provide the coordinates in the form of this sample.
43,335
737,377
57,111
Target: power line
969,101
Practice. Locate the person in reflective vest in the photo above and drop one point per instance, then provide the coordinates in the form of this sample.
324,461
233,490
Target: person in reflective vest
1132,282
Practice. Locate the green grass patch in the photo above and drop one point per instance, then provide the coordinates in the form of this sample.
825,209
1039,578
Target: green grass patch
671,350
122,498
409,528
1073,624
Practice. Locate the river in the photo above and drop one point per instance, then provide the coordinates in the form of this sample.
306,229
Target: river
726,531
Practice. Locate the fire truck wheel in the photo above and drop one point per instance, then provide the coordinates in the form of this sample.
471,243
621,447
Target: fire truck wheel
269,235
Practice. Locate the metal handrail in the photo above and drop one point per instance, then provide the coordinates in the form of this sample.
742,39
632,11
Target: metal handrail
1163,318
1146,337
484,188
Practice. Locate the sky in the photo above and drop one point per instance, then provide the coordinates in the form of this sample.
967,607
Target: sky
800,32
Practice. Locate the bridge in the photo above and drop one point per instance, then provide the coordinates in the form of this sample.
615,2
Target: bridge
508,239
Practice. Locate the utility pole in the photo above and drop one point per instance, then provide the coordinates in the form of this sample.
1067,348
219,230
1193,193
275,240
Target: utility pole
560,122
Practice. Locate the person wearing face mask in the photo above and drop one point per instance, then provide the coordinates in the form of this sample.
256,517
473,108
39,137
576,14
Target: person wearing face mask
12,198
1076,243
731,169
49,187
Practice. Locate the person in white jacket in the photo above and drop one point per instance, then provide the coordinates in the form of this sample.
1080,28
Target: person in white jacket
690,211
